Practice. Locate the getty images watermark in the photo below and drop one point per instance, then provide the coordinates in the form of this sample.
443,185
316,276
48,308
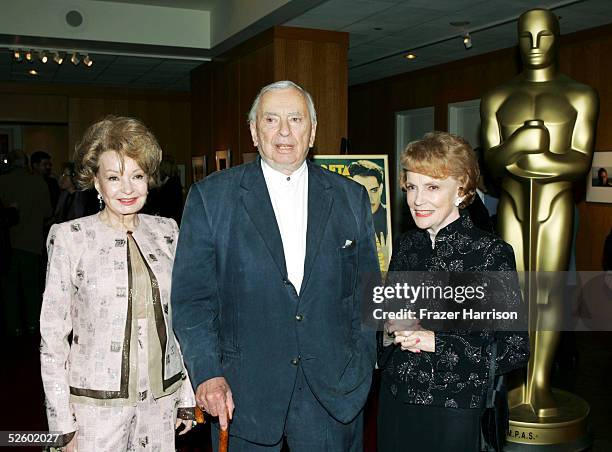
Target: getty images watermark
400,295
499,300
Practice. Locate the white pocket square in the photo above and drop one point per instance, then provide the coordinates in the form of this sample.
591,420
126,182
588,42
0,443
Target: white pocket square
347,243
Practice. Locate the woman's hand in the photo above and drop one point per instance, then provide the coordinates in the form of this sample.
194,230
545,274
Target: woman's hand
394,326
416,341
188,425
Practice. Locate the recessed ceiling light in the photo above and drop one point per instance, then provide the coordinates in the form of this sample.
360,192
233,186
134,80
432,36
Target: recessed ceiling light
33,72
410,56
460,23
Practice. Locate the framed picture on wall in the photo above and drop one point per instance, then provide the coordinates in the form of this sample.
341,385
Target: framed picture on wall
371,171
599,180
198,167
223,159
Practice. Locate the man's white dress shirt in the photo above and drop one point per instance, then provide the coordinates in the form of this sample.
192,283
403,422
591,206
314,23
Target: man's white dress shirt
289,196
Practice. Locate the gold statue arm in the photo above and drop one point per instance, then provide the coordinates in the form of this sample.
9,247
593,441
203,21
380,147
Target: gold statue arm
526,152
528,139
572,164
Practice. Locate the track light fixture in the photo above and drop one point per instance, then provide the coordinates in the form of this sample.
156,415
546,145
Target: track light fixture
467,41
45,55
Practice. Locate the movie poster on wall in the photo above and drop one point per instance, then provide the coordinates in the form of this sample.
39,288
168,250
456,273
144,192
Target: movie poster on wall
371,171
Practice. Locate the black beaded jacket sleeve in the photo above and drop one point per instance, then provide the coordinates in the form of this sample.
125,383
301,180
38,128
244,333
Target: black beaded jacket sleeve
456,374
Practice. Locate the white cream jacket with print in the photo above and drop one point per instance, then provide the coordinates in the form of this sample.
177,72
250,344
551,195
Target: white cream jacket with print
88,293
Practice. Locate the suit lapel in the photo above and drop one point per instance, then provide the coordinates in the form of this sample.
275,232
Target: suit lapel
256,200
319,208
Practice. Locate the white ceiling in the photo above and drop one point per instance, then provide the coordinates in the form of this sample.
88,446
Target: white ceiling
381,32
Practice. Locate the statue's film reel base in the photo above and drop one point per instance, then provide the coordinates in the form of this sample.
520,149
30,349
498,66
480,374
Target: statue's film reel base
566,432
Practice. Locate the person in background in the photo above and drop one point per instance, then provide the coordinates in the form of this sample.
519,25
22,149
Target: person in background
434,383
20,283
602,178
167,199
120,384
483,208
73,203
9,216
41,165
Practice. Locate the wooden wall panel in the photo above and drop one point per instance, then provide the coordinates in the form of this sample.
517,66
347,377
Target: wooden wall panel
38,106
201,113
256,71
33,108
53,139
584,56
315,59
169,121
224,91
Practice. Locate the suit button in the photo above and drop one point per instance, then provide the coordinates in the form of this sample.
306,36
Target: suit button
299,317
295,361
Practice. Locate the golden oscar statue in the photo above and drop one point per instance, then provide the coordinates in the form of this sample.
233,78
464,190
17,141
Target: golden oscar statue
538,135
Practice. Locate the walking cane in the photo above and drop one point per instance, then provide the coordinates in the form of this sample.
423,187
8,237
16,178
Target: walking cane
223,434
223,439
199,415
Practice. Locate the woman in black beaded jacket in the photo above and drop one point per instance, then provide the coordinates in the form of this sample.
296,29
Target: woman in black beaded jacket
434,383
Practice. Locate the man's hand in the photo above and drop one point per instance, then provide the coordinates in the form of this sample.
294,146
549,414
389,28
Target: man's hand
215,397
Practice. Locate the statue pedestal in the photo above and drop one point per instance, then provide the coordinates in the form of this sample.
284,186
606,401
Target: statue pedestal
568,431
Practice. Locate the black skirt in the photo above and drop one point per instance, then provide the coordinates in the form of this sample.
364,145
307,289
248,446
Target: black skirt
403,427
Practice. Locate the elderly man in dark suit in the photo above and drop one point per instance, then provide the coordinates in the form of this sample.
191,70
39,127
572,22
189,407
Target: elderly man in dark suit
265,289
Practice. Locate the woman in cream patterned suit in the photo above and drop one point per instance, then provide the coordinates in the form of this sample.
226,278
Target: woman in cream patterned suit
119,383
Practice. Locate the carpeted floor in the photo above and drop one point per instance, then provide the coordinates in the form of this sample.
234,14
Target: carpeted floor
584,366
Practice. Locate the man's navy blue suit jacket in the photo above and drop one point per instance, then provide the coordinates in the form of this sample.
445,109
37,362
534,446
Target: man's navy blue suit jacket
237,315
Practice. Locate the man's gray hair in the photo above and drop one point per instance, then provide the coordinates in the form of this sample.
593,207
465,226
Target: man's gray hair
283,84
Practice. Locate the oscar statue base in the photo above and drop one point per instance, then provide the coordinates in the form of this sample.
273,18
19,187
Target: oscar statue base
568,431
